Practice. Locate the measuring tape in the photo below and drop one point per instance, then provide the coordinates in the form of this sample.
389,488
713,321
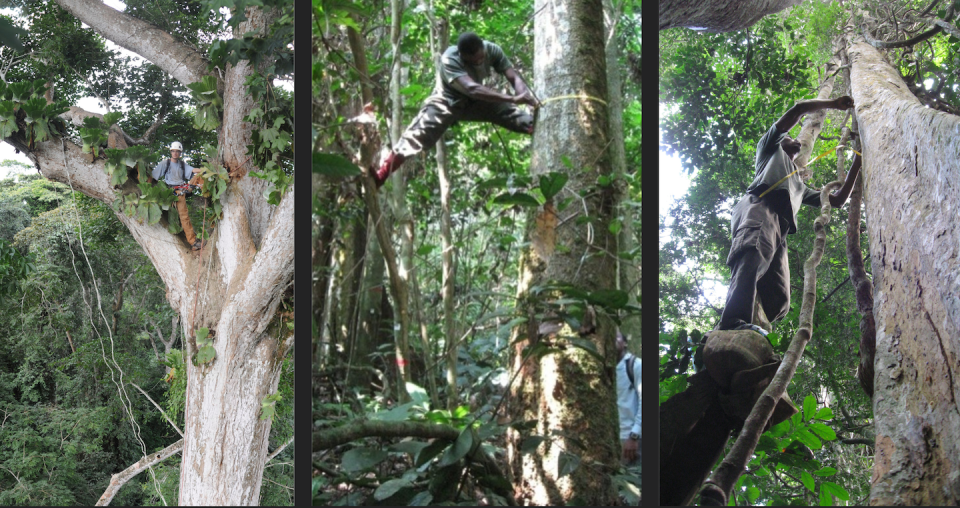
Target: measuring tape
774,186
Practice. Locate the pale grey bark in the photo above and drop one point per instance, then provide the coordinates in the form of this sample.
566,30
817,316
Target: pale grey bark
718,15
912,192
233,286
814,121
569,391
181,61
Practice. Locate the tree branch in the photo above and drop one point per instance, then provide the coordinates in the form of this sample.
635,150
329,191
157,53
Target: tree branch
117,480
359,429
179,60
716,490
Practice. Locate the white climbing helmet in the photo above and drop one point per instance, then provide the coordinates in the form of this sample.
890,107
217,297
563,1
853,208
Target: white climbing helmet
176,146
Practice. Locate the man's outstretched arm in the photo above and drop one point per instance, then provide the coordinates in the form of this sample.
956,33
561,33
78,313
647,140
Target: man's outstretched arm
520,86
792,116
840,197
476,91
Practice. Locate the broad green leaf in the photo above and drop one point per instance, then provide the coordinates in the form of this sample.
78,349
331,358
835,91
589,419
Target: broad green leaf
531,443
202,334
809,407
836,490
762,471
329,164
552,183
397,414
825,499
774,338
422,499
430,451
609,298
825,471
568,463
807,438
807,481
410,447
825,432
359,459
390,487
153,214
460,448
418,394
753,493
206,354
519,198
824,413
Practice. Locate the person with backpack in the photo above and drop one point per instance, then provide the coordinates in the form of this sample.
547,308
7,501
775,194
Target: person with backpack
628,402
177,174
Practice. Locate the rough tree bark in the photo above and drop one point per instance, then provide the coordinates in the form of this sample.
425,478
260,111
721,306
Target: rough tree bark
912,192
718,15
233,286
569,393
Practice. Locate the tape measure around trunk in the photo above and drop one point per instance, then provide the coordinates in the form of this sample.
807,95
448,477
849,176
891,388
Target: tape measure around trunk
774,186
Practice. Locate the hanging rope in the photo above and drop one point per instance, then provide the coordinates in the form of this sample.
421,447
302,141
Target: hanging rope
125,400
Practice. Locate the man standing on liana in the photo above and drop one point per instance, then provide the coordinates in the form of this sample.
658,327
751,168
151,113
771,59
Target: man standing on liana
176,173
462,96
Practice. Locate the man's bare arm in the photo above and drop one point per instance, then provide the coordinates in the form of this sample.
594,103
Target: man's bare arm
476,91
840,197
792,116
520,86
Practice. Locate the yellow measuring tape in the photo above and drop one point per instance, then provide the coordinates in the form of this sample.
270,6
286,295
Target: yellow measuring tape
574,96
774,186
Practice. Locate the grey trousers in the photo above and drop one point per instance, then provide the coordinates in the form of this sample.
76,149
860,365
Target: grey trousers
437,116
758,260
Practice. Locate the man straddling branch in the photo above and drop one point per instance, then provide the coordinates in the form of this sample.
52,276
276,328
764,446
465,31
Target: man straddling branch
177,174
766,215
462,96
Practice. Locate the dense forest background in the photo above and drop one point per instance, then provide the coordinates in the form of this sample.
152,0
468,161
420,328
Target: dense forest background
454,330
719,92
92,368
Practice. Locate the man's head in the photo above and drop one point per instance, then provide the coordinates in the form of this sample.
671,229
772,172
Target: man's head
470,46
175,150
621,344
791,146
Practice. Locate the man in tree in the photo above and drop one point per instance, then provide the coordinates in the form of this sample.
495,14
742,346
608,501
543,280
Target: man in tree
696,423
177,173
628,402
766,215
461,95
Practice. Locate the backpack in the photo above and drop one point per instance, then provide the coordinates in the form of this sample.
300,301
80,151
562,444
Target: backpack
630,374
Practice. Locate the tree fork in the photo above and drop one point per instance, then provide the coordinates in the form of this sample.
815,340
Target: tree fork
716,490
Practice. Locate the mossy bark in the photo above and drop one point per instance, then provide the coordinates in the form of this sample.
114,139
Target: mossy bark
568,393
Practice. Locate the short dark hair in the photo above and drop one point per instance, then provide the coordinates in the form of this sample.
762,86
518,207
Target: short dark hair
469,43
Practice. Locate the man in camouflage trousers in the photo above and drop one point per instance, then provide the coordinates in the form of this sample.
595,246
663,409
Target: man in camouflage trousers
461,96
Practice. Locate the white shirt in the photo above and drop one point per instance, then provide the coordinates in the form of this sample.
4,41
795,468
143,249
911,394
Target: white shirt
628,401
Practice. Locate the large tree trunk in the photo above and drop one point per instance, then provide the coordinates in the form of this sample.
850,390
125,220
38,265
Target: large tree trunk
569,392
718,15
912,191
233,286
